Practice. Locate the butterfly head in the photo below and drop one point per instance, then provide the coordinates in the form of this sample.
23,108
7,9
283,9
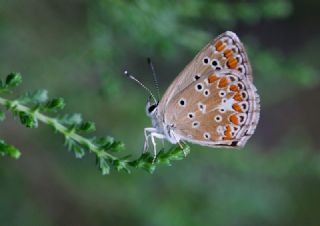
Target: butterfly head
151,106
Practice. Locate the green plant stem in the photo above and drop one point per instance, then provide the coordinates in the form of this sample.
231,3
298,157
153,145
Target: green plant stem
58,127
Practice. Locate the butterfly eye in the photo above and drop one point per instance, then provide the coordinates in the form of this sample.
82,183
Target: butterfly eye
206,60
182,102
151,108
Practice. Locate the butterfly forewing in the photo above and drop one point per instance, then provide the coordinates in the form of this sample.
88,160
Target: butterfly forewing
213,101
224,52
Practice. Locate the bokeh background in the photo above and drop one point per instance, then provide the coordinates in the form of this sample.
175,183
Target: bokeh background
78,49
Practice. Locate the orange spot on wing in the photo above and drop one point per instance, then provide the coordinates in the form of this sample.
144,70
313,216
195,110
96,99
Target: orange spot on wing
237,107
232,63
234,119
212,78
237,97
219,46
234,88
228,53
223,82
227,133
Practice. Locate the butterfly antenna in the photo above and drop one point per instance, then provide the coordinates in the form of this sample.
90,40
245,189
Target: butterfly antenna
155,79
140,83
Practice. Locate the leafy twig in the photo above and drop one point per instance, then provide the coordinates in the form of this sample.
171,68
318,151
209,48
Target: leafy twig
32,107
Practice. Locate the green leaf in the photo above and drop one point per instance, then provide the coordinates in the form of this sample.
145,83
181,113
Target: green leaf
144,162
103,165
71,119
35,97
87,127
103,142
13,80
54,105
121,165
117,146
78,151
9,150
28,120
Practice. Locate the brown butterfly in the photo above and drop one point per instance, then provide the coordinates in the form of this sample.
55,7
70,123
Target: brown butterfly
212,102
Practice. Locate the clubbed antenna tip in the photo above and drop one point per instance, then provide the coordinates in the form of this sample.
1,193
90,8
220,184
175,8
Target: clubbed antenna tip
141,84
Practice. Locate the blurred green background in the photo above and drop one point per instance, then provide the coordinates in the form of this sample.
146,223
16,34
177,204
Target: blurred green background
78,49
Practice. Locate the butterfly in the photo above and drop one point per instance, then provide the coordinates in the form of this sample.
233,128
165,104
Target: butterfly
212,102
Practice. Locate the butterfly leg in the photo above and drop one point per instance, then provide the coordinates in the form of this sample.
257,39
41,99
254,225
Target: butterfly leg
147,134
180,142
181,146
159,136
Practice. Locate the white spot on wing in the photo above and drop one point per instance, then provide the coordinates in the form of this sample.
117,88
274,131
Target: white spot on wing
222,93
195,124
227,104
191,115
206,92
206,135
182,102
202,107
218,118
220,130
199,87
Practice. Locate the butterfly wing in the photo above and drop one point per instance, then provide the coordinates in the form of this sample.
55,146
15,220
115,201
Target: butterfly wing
213,101
224,52
220,109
